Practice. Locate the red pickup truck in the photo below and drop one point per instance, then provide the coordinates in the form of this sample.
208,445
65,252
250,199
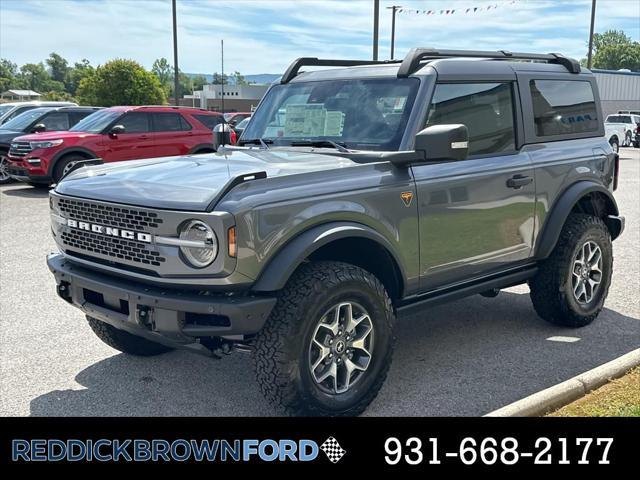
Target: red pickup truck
113,134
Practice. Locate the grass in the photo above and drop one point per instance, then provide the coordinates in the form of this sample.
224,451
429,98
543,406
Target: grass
618,398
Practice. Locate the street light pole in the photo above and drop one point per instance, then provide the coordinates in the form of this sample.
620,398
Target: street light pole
176,70
394,9
593,21
376,15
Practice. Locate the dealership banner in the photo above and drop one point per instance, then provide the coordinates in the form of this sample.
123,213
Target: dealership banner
427,445
453,11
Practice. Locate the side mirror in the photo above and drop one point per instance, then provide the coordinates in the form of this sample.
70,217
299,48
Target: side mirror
116,130
232,123
40,127
443,142
221,135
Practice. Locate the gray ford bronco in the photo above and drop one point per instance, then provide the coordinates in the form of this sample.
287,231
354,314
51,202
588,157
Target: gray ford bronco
355,194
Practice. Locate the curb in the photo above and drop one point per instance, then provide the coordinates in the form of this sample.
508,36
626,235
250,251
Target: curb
566,392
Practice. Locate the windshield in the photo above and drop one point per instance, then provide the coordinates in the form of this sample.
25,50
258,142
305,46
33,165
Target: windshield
5,108
618,119
22,121
243,123
368,114
96,122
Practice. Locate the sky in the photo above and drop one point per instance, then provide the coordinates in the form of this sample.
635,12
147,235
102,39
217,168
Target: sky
264,36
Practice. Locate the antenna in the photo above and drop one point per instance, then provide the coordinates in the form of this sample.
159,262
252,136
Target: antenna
222,77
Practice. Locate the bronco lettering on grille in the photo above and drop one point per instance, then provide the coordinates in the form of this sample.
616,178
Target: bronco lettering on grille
110,231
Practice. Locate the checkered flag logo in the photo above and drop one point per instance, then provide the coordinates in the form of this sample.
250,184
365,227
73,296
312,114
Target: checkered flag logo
333,450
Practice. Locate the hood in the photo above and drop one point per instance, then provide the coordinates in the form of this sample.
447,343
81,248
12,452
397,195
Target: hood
54,135
192,182
7,136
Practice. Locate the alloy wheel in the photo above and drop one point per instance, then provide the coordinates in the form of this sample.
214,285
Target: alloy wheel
586,274
341,347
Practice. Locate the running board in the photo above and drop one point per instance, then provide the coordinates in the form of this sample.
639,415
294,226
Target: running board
456,292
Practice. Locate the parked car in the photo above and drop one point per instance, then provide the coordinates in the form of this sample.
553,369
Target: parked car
234,118
239,128
37,120
614,132
114,134
630,123
13,109
388,188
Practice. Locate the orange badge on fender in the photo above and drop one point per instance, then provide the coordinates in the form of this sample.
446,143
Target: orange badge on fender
406,198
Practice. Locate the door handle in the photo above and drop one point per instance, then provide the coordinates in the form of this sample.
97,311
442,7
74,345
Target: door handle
519,181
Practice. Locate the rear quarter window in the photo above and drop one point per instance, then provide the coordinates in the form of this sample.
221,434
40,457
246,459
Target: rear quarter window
209,121
563,107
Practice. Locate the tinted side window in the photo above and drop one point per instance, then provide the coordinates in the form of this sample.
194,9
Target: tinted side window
75,117
135,123
56,121
18,111
485,108
563,107
168,122
209,121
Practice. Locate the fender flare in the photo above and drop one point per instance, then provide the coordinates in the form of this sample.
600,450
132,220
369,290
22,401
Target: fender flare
277,272
68,151
561,209
200,146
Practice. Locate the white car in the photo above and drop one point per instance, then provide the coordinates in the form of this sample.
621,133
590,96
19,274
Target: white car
615,133
13,109
630,124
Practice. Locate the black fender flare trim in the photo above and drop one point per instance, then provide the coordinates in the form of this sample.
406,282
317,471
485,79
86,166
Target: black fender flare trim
68,151
277,272
200,147
561,209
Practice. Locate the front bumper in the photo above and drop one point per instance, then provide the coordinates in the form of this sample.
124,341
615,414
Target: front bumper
18,171
176,318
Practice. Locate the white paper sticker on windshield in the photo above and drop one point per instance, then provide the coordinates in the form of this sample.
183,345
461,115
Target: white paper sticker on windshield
334,123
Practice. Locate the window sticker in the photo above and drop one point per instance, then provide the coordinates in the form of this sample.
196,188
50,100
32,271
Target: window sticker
312,120
333,124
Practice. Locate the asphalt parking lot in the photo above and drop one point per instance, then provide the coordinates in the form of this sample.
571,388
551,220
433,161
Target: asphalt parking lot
465,358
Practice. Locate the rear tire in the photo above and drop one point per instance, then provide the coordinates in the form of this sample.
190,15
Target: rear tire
124,341
627,140
330,317
557,292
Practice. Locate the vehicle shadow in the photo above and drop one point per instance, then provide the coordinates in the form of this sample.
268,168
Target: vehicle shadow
27,192
465,358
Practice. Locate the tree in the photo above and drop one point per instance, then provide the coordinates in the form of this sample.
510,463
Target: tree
616,57
58,67
58,97
121,82
198,82
8,71
218,79
163,70
32,76
76,73
614,50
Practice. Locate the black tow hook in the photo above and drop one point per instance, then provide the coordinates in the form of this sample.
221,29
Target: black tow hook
143,316
64,291
490,293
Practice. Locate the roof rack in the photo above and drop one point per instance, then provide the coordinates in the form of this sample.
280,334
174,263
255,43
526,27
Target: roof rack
293,69
411,62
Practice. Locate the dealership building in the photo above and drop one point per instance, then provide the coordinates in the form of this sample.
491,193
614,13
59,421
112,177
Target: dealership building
619,90
237,98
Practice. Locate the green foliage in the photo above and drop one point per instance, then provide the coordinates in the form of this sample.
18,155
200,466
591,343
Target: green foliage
8,71
74,75
198,82
121,82
163,70
218,79
58,97
614,50
58,67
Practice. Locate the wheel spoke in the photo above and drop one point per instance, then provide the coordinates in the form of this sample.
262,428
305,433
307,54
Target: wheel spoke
351,325
324,353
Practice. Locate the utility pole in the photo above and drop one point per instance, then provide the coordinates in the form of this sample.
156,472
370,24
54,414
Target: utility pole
394,9
176,70
593,21
376,15
222,67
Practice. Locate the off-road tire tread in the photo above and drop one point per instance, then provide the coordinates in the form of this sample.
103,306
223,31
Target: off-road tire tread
124,341
274,370
545,288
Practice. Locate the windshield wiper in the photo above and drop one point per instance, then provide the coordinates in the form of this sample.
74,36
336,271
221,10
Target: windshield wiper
320,143
257,141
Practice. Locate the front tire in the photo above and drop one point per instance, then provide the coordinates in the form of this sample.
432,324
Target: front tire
124,341
4,166
572,284
614,144
327,346
63,165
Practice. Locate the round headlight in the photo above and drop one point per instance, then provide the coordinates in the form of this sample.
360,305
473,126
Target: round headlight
205,246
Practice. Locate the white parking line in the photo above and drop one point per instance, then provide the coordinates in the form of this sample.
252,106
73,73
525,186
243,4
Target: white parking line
564,339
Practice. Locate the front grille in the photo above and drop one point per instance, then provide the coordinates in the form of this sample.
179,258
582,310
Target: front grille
20,149
116,248
109,216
